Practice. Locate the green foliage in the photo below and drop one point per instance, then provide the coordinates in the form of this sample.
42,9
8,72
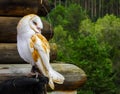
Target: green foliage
85,92
107,30
60,34
75,14
93,58
93,46
97,65
57,16
90,50
67,17
110,31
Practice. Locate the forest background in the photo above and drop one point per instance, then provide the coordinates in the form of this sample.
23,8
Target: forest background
87,34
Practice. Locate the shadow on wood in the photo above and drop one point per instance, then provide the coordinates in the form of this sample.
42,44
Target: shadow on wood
9,53
74,76
8,31
24,7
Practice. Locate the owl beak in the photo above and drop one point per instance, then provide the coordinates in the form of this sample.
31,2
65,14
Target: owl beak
37,30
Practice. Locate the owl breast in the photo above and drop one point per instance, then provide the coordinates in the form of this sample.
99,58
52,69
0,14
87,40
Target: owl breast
23,50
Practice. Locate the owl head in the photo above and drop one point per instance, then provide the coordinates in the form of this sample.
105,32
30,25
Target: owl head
30,24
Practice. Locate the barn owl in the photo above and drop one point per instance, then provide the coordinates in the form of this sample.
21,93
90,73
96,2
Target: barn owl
34,48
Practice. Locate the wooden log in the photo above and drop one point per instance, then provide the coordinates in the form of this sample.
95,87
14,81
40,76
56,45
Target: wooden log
8,30
47,30
24,7
9,54
63,92
53,50
74,76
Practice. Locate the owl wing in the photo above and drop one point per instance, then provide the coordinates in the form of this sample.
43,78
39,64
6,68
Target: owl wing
40,50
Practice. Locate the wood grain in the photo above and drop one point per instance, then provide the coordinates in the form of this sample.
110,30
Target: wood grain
74,76
23,7
8,30
9,54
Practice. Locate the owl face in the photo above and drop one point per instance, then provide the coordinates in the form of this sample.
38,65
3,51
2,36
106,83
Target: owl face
36,24
30,24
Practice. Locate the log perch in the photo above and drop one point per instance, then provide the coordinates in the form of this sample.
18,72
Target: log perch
9,54
74,76
8,31
24,7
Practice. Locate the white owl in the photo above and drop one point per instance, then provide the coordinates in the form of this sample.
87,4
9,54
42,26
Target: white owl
34,48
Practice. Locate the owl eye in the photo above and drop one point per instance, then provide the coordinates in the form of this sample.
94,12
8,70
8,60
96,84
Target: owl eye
34,23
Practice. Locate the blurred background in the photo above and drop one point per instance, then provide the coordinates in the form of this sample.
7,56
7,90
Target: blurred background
87,33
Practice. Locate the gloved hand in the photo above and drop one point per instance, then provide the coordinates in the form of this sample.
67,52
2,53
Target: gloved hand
24,85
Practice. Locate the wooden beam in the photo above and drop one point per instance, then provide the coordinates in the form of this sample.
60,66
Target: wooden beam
9,53
8,30
24,7
74,76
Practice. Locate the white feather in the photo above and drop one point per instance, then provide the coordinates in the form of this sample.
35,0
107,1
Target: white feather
25,30
53,75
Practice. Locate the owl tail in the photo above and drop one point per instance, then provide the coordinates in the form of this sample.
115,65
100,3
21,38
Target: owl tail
55,77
